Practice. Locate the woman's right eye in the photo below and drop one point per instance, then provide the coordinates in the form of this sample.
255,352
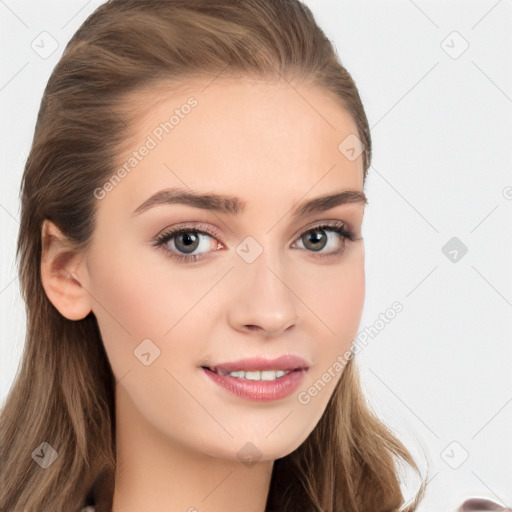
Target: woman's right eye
184,240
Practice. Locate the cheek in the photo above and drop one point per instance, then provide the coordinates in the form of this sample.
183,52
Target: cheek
140,296
121,292
336,295
338,304
344,300
134,288
128,306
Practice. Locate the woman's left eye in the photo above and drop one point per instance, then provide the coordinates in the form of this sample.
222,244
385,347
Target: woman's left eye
188,239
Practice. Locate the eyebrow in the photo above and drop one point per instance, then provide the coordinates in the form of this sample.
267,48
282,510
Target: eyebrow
235,206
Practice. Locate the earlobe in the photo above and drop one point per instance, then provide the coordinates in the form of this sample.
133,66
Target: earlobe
63,273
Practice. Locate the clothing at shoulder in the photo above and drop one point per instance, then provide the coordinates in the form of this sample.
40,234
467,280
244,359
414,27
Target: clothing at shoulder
482,505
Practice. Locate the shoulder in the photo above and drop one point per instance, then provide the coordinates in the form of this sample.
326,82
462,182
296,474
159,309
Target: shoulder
481,505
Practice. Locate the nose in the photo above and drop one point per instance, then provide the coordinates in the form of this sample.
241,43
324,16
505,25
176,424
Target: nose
263,300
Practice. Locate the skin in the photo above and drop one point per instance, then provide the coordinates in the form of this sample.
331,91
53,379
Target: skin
178,433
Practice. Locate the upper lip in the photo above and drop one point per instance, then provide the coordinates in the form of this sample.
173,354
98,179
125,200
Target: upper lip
284,363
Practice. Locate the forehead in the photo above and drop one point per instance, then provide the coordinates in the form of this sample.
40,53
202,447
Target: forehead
232,135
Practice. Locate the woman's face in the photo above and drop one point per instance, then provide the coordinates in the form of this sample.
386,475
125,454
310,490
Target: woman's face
265,283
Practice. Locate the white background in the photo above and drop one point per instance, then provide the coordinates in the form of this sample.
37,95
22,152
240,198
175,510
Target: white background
439,372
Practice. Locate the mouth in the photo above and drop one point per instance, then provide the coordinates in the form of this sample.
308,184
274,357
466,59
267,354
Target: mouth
266,375
258,380
258,368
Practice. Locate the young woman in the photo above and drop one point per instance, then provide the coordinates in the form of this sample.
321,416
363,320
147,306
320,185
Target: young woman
192,261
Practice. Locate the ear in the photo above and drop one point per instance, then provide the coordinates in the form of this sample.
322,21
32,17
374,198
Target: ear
63,274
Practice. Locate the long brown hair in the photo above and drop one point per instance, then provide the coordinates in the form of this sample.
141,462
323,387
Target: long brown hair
64,390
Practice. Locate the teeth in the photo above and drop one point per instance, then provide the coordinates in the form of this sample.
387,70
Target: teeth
256,375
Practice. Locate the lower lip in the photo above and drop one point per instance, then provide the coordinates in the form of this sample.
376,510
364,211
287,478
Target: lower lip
259,390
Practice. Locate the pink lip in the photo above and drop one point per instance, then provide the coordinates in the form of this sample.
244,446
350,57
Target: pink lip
285,363
259,390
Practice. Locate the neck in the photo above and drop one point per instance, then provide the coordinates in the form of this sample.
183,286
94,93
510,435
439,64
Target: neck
155,473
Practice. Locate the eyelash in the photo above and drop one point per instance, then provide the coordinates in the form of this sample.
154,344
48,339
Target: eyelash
162,239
